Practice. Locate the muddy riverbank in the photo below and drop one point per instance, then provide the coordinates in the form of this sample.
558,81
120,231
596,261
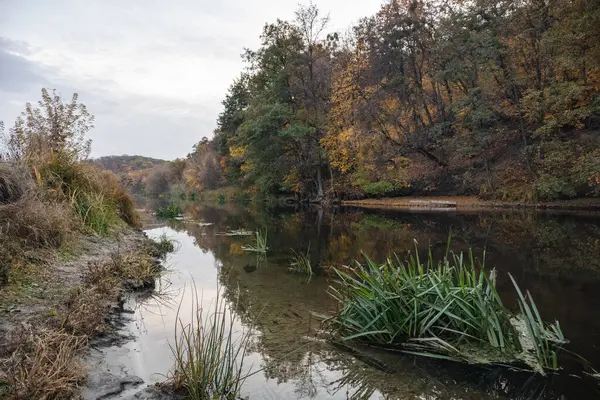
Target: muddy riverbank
62,306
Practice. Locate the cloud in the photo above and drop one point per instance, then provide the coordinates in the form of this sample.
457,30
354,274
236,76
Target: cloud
153,73
16,72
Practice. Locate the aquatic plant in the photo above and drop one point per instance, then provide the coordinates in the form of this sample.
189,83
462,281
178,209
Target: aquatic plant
164,245
300,263
261,243
447,310
208,357
169,211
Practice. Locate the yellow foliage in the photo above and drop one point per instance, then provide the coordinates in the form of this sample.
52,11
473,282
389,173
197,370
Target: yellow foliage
238,151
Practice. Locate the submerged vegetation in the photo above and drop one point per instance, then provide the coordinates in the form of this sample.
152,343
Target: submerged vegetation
208,352
449,309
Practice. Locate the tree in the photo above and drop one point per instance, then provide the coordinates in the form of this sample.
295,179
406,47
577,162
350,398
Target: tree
52,126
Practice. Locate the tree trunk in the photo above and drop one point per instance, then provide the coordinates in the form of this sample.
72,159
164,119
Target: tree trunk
320,191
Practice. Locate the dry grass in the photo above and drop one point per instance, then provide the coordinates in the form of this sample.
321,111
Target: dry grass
37,223
86,312
87,306
96,195
14,183
121,198
45,366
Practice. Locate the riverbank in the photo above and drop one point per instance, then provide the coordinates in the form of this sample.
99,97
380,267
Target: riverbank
473,203
58,303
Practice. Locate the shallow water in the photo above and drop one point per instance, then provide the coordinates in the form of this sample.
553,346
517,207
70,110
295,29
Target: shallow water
554,256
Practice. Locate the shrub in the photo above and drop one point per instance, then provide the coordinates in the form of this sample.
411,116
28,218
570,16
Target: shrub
159,180
380,188
550,187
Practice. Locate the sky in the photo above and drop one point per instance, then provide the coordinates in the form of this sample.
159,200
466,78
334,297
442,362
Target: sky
153,73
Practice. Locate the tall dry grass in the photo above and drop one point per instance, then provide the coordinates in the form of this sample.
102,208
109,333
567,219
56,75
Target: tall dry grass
45,365
96,195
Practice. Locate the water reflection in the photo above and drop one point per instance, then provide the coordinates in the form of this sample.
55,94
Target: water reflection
554,256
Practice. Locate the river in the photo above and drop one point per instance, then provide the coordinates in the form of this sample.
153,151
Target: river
555,256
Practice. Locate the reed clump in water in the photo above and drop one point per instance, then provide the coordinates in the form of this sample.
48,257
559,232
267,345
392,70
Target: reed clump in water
208,354
260,245
450,309
300,263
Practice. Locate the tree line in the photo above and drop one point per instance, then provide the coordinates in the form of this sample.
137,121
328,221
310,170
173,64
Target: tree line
493,98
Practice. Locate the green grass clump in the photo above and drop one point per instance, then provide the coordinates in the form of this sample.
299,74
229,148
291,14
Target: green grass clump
450,310
168,211
164,245
300,263
260,245
208,357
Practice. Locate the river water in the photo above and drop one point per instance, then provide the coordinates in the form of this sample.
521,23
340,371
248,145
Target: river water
554,256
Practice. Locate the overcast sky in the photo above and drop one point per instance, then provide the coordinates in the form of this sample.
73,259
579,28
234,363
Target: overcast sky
153,73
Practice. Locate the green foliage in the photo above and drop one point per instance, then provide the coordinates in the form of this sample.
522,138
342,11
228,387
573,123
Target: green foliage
549,187
168,211
242,198
450,309
381,188
96,195
444,93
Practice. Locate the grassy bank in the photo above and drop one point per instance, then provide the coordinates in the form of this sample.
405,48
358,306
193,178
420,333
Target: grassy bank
68,248
448,309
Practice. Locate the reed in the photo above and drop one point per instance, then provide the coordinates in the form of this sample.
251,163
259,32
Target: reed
450,309
208,355
168,211
300,263
260,245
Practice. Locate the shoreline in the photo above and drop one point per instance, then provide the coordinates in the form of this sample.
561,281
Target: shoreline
472,203
72,299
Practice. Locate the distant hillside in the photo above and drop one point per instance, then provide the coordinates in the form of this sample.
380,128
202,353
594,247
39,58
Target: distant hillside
132,170
127,164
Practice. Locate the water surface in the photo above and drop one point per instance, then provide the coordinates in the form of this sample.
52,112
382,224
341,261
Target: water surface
554,256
